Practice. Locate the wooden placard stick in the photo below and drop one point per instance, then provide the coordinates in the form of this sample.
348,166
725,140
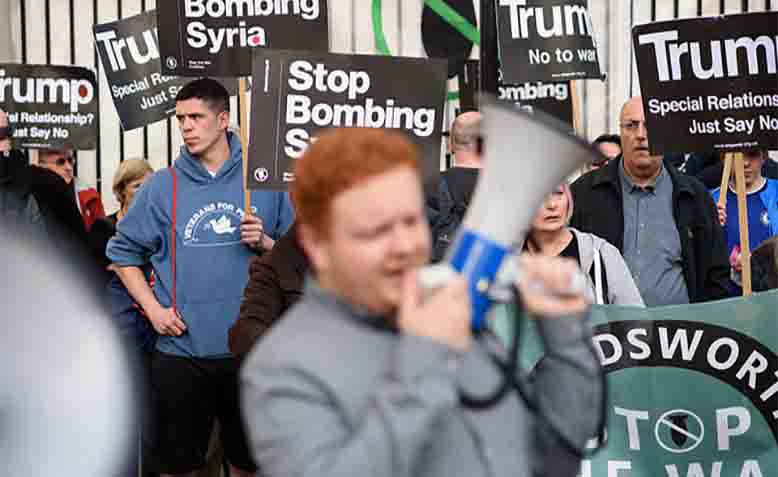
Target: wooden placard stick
244,142
742,213
576,102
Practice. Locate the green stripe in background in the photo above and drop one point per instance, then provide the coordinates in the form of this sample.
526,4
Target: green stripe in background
451,16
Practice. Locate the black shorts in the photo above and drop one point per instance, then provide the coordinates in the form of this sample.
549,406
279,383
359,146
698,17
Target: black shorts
187,395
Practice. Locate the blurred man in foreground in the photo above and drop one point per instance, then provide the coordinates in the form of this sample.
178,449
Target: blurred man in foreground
361,376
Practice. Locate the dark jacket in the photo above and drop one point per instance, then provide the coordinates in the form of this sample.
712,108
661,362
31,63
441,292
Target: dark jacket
599,210
275,283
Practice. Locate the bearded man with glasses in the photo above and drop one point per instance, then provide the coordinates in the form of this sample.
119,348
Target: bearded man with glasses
664,223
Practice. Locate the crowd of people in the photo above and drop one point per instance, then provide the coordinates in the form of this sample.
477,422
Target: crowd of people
362,376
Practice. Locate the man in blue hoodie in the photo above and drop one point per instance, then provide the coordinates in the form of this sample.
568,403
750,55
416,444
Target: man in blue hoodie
188,222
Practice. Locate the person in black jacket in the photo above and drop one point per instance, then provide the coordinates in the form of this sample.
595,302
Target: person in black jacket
275,283
664,223
58,212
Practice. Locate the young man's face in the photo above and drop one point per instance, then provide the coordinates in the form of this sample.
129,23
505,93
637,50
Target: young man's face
752,166
201,127
377,234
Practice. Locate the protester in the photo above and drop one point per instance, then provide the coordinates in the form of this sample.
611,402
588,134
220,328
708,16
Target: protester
129,176
663,222
360,377
51,208
18,208
762,211
764,265
275,284
200,251
709,168
609,278
609,146
87,199
447,205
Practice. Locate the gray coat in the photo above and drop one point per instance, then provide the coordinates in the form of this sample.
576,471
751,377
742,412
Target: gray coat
332,392
621,286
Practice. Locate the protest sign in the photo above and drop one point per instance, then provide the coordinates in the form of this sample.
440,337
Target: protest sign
296,94
709,84
542,40
216,37
129,54
554,99
693,389
50,106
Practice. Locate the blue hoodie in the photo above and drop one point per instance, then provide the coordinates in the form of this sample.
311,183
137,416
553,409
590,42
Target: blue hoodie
211,262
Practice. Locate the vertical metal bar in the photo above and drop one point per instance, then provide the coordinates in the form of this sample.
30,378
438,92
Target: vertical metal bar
72,26
722,7
72,32
121,130
145,128
653,10
98,151
744,6
23,13
169,142
488,47
631,57
699,8
47,19
676,8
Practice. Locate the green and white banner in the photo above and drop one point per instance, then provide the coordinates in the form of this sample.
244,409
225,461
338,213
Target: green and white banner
693,389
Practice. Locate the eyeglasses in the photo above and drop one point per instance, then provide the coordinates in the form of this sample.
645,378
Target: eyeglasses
61,161
632,126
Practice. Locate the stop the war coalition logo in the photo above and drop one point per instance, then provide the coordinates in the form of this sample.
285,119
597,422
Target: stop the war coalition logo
542,40
710,83
312,91
50,106
689,399
215,37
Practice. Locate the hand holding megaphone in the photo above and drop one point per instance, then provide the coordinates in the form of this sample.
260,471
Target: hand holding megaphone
526,157
550,286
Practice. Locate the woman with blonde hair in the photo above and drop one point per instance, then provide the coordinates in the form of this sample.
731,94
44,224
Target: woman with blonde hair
129,177
608,275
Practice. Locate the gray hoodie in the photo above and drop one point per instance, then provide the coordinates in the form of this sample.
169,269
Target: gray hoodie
621,287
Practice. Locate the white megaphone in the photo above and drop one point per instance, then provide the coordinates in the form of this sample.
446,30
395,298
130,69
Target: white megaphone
525,158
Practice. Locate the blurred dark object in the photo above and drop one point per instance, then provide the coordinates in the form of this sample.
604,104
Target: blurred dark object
275,283
469,86
764,265
441,40
18,206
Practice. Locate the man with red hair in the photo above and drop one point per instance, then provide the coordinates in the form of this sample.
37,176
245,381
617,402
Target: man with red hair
361,376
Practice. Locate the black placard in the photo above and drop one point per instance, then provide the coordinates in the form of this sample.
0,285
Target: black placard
546,40
298,93
216,37
709,83
129,53
50,106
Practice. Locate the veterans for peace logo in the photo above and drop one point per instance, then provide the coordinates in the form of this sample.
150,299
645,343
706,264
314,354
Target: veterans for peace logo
214,225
